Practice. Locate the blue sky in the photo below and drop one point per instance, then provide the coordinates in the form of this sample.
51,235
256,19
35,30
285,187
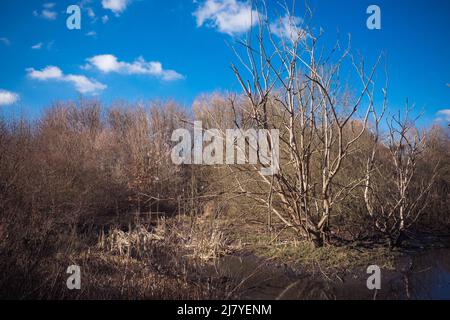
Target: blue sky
153,49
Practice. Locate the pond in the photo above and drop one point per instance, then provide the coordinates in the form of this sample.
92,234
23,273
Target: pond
424,275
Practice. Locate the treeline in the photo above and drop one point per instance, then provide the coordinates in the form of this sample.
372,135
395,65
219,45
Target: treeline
81,163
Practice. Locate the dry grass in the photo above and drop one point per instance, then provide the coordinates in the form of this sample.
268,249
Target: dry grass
138,240
138,264
204,238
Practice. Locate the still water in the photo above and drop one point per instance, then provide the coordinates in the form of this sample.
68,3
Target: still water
424,275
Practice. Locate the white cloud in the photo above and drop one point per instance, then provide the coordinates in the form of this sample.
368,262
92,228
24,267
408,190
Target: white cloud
48,12
37,46
116,6
8,97
443,115
105,19
91,34
105,63
227,16
108,63
49,72
41,45
82,84
287,27
5,41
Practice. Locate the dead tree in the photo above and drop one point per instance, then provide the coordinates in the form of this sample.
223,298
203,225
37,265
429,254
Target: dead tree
406,144
406,190
292,85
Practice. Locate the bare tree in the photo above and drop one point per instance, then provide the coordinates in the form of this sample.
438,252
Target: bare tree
291,84
405,198
406,145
